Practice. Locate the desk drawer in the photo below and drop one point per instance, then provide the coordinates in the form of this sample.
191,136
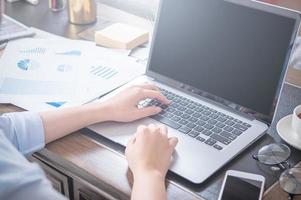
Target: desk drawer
60,182
84,192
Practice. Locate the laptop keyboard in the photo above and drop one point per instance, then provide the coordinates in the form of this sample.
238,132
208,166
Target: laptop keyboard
197,121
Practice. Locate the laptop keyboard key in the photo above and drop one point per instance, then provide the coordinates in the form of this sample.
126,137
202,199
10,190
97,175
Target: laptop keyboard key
181,108
193,119
228,128
240,127
200,123
216,146
183,122
207,113
176,118
197,115
204,118
168,115
220,125
199,138
185,116
212,121
229,123
199,109
210,142
193,134
184,129
214,116
178,113
237,132
206,132
188,111
208,126
191,125
246,125
174,105
170,110
220,139
199,129
163,106
228,135
221,119
191,106
176,100
216,130
166,121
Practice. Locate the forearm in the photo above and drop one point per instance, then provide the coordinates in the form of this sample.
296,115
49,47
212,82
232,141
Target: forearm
62,122
149,187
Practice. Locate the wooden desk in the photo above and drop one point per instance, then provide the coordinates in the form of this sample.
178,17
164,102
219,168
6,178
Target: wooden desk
84,165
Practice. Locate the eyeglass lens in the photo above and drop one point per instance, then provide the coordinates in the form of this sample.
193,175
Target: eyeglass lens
290,181
273,154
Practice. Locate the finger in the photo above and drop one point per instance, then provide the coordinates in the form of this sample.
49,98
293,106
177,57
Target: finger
140,130
163,130
173,141
151,94
149,86
131,141
148,111
155,129
152,127
129,145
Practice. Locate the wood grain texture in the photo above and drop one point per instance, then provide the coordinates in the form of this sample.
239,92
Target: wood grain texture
275,192
294,77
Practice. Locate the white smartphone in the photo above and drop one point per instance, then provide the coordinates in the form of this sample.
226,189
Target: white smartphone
239,185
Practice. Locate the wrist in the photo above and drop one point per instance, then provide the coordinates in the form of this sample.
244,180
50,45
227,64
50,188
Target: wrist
154,175
96,112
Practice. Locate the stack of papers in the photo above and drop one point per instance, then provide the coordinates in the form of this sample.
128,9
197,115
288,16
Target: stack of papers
42,74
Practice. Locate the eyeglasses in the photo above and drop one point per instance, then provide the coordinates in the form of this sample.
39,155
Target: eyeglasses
290,182
278,154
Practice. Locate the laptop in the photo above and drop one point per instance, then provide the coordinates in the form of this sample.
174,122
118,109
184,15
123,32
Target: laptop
222,64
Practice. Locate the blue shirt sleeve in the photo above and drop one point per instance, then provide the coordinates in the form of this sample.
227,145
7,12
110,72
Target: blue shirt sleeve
24,130
20,179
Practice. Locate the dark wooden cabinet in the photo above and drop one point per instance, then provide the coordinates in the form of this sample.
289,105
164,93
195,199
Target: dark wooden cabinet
60,182
70,186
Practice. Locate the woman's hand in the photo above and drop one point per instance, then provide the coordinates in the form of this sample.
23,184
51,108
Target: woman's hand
150,151
123,106
149,156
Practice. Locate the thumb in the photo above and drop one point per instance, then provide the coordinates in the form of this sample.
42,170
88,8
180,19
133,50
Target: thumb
173,141
149,111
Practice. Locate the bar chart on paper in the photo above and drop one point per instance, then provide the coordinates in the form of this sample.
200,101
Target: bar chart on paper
34,51
103,72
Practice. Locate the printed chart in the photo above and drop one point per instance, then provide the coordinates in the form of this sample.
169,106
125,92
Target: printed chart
103,72
70,53
34,51
64,68
27,64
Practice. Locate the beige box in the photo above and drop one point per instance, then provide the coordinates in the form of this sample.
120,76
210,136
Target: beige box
121,36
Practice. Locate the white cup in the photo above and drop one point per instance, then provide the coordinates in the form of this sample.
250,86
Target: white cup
296,122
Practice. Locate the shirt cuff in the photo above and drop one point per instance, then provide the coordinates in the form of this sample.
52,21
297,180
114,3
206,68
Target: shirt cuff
29,131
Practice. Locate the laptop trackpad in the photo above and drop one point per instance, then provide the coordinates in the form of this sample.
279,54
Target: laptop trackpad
120,132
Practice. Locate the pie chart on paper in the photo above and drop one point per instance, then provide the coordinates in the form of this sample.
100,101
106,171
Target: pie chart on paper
27,64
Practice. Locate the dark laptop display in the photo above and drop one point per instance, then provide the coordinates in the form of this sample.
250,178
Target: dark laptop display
239,53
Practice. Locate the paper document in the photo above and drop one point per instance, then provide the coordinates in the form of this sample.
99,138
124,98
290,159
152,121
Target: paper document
63,70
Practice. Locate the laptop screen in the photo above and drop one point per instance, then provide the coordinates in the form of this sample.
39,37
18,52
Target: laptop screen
231,52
